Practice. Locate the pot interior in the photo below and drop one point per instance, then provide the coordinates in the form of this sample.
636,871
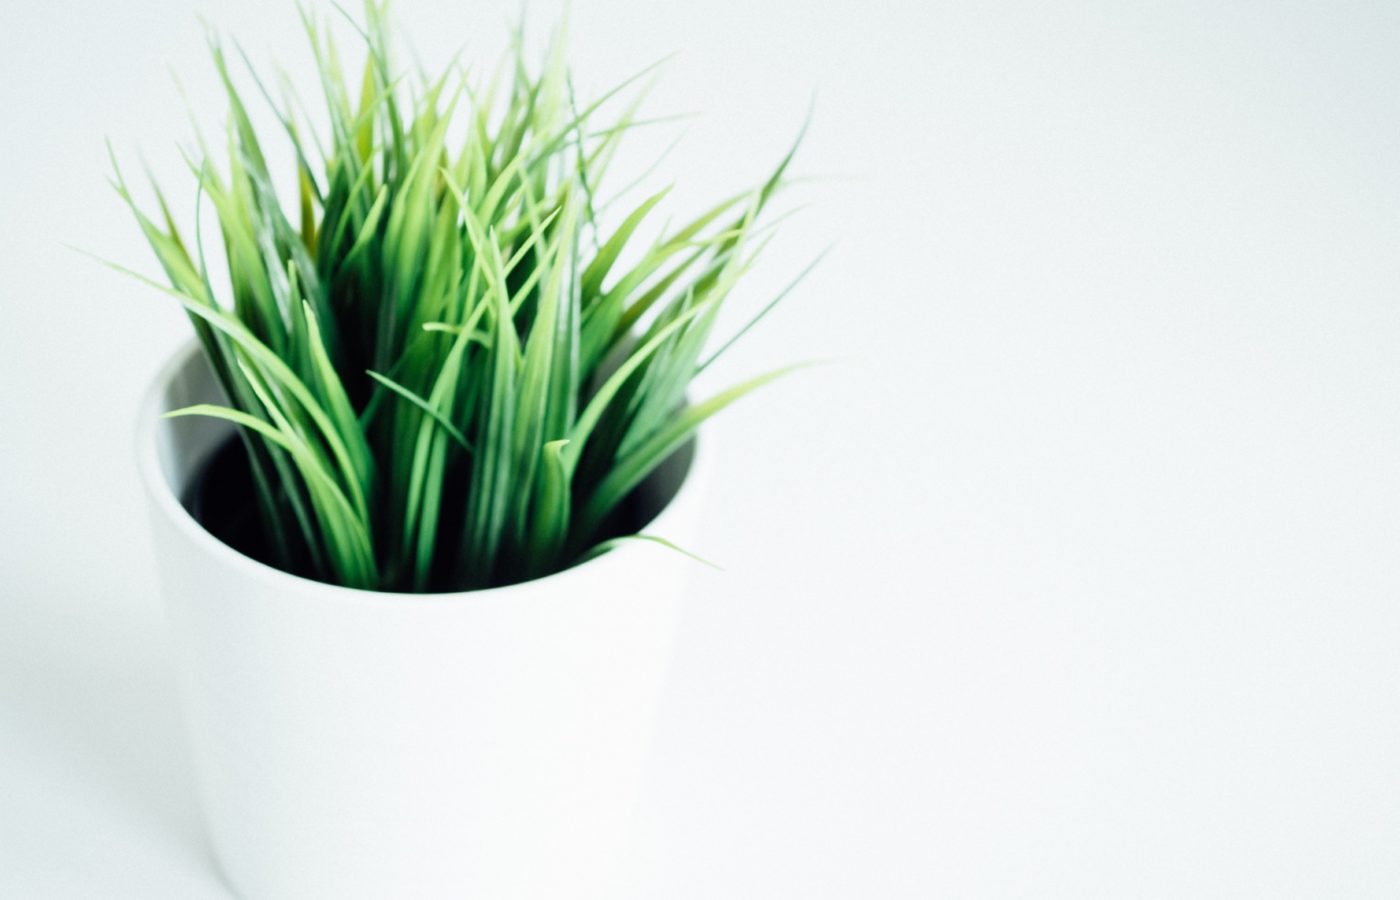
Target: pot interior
204,463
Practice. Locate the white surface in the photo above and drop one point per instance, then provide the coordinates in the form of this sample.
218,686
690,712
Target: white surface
354,745
1077,577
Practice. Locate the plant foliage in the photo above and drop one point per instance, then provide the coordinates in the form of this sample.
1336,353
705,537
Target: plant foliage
444,373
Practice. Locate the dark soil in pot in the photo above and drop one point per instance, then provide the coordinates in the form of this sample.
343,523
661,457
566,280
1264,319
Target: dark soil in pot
223,498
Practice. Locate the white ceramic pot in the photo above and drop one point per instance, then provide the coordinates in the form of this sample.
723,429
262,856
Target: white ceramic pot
352,744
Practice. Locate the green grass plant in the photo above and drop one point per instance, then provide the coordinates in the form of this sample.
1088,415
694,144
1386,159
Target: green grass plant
447,373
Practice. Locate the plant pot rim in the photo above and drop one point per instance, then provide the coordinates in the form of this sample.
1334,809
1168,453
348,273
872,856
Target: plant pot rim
168,505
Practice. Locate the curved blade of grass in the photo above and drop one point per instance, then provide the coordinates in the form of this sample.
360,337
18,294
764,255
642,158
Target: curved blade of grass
767,308
452,430
551,507
597,270
591,413
599,549
630,471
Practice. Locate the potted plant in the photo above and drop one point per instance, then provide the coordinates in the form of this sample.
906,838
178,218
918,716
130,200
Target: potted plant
395,481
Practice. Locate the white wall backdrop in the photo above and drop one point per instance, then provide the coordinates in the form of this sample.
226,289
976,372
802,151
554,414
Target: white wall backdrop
1073,575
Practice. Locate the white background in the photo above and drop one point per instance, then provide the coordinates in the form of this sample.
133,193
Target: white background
1074,576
